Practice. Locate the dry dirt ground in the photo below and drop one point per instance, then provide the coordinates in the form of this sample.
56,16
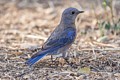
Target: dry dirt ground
24,29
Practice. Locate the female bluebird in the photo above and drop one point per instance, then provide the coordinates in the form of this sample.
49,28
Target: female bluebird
61,38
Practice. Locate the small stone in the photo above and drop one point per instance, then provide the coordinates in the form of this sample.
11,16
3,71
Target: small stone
80,77
117,74
72,74
26,77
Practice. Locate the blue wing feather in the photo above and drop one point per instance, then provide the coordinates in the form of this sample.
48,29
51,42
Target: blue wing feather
66,37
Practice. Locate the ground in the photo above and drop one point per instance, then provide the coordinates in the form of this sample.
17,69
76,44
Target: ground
23,30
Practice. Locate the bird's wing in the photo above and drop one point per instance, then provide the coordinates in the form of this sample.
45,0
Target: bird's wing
62,39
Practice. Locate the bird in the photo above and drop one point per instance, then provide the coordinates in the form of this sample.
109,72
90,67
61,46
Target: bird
60,39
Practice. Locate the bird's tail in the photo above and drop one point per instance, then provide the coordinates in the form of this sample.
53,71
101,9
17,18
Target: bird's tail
33,60
39,55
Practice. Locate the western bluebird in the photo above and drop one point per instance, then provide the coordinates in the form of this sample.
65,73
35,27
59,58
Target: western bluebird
61,38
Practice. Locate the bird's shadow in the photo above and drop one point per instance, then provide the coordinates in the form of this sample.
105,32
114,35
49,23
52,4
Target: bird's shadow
47,64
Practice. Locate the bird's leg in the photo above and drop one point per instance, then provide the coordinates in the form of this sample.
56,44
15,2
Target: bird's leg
52,58
54,62
65,57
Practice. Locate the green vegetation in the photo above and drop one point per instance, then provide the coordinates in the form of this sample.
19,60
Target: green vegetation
110,24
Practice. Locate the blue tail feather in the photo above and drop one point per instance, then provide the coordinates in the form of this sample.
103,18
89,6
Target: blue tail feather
31,61
40,55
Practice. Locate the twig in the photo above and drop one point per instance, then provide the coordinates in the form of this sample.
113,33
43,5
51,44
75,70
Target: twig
24,73
104,45
105,49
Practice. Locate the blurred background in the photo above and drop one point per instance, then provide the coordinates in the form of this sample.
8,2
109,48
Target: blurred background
26,24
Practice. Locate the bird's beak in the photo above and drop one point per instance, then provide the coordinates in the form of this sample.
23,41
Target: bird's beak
80,12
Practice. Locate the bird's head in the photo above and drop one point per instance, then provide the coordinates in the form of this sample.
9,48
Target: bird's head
69,15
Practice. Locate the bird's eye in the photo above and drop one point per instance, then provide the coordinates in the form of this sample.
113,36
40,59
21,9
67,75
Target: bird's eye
73,12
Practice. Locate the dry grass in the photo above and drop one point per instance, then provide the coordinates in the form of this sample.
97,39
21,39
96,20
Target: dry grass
23,31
